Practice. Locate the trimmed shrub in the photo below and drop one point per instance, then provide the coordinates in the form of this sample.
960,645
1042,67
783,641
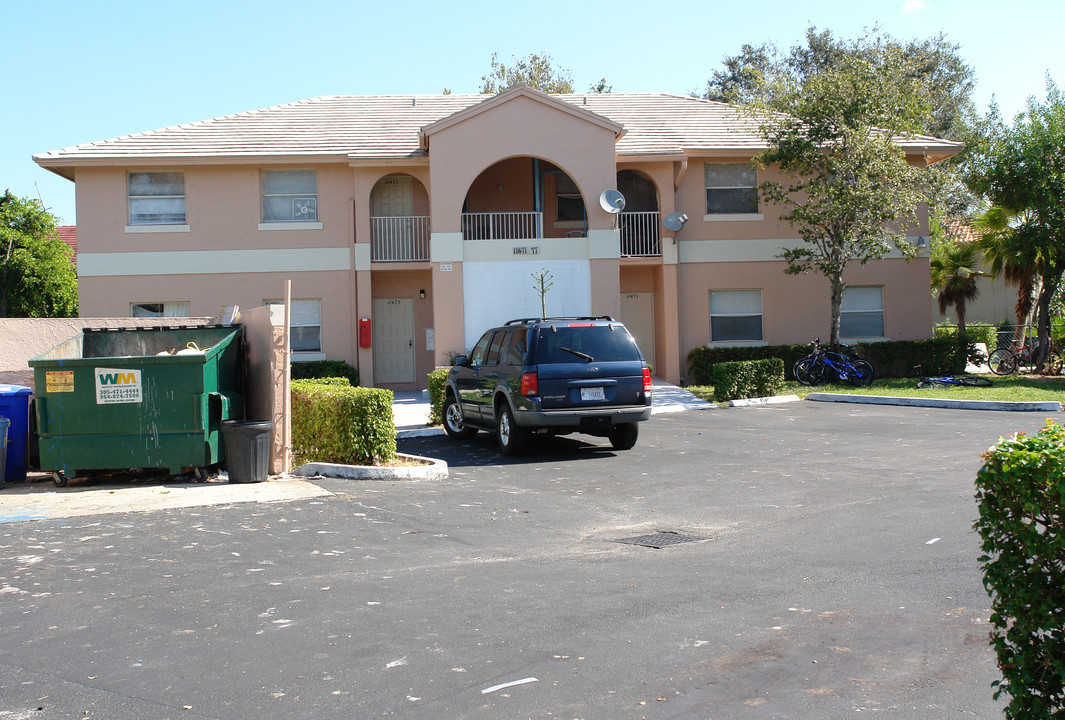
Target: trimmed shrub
893,358
1021,494
437,383
324,369
747,379
336,423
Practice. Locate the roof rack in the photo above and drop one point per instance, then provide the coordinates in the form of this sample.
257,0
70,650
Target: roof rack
531,321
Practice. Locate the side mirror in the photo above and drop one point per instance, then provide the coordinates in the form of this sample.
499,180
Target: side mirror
461,360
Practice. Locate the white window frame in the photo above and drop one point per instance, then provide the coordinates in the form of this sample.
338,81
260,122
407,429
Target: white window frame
303,204
136,221
760,340
168,308
300,319
865,308
745,167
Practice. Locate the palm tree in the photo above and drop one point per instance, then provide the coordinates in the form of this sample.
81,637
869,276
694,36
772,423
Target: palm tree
954,268
1015,262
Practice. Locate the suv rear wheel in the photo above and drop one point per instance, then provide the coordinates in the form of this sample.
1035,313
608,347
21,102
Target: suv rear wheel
623,437
453,423
512,439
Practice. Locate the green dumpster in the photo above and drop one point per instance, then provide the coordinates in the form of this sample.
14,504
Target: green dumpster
121,398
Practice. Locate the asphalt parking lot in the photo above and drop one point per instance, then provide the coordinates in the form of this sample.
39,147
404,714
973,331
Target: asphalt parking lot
833,571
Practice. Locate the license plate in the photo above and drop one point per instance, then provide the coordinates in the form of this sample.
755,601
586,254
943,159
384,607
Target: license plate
593,393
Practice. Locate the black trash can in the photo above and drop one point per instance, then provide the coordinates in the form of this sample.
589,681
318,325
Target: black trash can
247,446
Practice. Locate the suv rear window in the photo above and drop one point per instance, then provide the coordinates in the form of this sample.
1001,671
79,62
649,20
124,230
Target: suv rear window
590,343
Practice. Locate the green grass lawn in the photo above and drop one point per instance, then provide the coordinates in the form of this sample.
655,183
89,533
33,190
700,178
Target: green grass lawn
1012,388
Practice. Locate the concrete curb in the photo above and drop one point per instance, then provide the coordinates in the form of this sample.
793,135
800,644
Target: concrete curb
775,400
436,470
1047,406
419,432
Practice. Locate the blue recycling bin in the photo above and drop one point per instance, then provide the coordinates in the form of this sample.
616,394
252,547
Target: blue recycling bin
15,407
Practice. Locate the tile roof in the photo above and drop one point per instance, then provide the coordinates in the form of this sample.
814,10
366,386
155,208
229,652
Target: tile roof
386,127
69,235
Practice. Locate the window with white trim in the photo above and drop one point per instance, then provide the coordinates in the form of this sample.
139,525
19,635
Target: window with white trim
305,323
735,315
156,198
862,313
731,188
289,196
159,309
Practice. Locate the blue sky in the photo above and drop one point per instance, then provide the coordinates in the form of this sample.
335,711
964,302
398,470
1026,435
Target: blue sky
78,72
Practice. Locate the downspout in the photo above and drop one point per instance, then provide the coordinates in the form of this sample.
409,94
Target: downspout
538,197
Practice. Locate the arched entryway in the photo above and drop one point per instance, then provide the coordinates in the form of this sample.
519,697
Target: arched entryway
639,223
399,219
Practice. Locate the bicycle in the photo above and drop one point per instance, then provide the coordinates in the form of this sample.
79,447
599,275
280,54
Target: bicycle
839,361
952,381
1007,360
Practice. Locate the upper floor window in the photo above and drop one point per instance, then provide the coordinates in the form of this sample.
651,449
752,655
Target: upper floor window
862,313
157,198
569,205
735,315
289,196
731,188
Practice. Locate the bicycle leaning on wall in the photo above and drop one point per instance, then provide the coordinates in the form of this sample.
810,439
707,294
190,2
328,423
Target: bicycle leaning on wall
837,363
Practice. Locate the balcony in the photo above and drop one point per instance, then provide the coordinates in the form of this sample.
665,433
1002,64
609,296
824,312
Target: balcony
640,234
502,225
400,239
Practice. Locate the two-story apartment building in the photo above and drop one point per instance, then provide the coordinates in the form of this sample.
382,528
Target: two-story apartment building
409,224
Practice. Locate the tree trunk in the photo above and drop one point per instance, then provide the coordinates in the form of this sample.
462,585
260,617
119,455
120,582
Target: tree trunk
837,307
1043,339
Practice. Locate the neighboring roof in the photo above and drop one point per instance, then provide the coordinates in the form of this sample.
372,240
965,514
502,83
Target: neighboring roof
69,235
387,127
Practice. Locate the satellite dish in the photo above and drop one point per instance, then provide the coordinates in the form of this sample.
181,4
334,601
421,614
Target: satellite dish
612,201
674,222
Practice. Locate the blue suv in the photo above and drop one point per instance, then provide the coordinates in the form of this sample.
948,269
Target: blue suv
550,375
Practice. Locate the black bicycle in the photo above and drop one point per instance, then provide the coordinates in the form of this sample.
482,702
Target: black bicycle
952,381
836,363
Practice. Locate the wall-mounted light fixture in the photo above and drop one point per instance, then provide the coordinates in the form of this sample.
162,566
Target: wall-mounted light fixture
421,294
500,186
922,242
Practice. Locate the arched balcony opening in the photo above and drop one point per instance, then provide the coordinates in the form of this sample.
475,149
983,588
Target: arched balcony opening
523,198
399,219
639,223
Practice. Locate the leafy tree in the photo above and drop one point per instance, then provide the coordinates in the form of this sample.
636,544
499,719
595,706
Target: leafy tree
850,192
599,87
1021,169
37,278
1016,264
536,70
954,269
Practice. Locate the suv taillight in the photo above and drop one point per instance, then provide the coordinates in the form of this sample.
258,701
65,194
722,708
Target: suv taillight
646,380
530,384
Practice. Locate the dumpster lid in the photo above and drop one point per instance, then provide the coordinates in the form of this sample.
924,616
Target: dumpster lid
15,390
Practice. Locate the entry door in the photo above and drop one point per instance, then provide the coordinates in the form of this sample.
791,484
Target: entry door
638,314
393,340
392,198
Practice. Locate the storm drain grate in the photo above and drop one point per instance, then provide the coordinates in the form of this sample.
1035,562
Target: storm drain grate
659,540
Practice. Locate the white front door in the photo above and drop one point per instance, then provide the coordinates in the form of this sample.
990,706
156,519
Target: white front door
392,198
638,314
393,340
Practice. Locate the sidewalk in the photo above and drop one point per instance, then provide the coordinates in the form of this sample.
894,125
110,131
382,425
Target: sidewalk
411,407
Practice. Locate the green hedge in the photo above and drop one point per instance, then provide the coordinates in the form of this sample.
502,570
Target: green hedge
336,423
1021,494
748,378
324,369
437,383
896,358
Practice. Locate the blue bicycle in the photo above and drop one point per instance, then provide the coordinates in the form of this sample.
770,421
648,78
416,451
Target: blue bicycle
836,364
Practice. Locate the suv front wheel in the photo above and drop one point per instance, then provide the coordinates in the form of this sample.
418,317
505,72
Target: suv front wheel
512,439
454,426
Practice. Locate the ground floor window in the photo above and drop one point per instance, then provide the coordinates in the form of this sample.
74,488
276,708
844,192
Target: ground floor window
305,323
735,315
862,313
159,309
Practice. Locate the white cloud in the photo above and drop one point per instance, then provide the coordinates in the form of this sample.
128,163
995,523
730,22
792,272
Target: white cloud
914,6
